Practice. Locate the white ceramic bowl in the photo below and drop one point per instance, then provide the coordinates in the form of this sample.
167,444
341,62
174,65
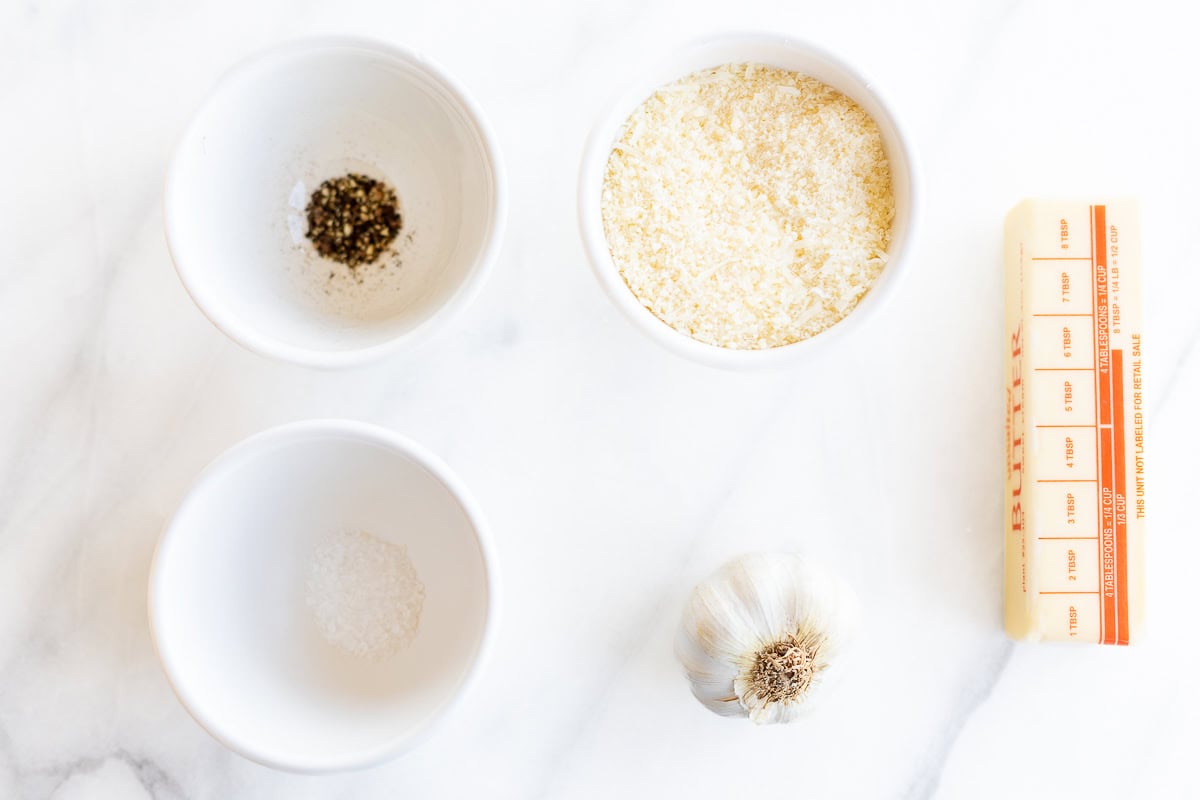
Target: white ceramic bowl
277,126
785,53
228,610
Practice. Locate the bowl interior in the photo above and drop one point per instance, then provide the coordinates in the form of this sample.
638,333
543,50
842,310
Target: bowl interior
777,51
276,128
230,614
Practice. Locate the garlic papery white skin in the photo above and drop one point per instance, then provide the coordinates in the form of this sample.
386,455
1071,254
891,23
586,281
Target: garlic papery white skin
760,637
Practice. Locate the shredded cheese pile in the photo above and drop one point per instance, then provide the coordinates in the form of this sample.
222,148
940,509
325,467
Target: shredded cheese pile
748,206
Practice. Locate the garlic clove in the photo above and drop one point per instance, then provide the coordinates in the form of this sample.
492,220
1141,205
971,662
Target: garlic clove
722,620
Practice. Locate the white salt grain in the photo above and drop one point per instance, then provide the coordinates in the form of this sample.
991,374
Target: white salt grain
365,595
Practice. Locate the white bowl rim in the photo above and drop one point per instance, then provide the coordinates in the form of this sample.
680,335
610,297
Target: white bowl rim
364,432
246,334
595,155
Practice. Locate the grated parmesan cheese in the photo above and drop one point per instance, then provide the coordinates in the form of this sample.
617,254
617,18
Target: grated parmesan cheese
748,206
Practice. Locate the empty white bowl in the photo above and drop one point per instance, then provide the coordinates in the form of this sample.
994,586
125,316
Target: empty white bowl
276,127
228,609
785,53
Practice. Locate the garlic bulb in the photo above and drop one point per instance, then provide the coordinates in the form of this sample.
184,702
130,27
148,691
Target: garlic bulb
759,637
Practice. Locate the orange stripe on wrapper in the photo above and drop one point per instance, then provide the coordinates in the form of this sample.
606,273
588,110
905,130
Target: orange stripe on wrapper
1121,508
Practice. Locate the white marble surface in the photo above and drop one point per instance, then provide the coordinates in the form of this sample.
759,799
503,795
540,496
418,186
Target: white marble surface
615,474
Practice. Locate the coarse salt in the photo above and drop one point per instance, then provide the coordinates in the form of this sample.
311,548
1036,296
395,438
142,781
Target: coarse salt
749,206
364,594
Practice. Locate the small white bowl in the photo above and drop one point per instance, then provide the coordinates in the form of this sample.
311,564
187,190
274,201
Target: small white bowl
277,126
785,53
227,603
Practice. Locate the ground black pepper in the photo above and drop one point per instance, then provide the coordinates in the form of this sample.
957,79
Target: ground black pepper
353,219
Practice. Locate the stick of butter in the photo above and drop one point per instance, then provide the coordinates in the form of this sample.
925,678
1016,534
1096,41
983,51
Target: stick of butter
1075,499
